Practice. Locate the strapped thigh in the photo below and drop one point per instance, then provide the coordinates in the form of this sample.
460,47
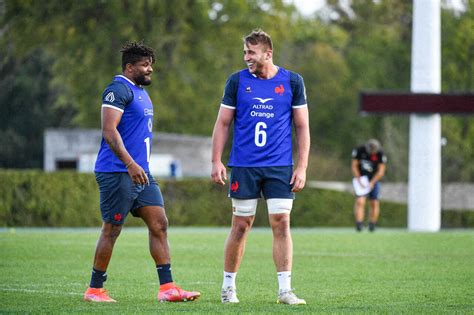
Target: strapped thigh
278,205
244,207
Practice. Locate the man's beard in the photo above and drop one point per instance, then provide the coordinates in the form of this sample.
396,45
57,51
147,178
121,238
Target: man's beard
142,80
258,69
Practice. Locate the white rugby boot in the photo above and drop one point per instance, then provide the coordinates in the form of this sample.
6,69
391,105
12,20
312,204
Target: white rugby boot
229,295
289,297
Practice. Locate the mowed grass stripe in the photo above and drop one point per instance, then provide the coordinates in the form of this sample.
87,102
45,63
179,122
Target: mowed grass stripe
335,270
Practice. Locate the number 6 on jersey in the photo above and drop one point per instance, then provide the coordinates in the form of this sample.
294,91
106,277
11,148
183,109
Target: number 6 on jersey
260,134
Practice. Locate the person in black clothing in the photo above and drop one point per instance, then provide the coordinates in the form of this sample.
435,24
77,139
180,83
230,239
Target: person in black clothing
368,160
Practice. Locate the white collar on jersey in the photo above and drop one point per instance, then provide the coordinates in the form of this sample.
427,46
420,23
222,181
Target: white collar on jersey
124,77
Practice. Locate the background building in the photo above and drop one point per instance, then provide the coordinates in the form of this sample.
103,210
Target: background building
172,155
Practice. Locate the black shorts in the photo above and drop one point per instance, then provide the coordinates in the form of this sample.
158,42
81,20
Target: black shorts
119,196
255,182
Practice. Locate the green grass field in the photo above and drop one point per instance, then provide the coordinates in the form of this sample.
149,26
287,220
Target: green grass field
335,270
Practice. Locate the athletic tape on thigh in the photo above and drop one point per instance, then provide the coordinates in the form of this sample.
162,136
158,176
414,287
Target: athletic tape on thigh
278,205
244,207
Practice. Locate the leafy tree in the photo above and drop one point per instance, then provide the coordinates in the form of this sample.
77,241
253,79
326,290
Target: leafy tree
61,55
458,76
377,57
27,109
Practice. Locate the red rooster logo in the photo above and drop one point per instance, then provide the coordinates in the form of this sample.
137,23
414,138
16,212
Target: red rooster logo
117,217
280,90
234,186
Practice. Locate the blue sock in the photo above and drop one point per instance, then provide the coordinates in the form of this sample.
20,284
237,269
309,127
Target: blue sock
164,273
98,278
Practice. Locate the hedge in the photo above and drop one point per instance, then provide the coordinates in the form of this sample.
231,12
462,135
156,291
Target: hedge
70,199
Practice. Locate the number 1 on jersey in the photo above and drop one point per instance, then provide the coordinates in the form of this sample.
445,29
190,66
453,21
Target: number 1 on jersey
260,134
147,142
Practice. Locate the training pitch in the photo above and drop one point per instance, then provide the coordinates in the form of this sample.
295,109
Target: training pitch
335,270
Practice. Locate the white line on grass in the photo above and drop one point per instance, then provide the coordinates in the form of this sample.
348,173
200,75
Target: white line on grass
33,286
334,254
39,291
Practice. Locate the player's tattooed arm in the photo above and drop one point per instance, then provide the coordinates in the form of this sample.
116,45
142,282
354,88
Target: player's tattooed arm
110,121
114,140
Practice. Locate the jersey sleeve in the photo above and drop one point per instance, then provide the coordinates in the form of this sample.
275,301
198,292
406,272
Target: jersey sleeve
229,99
299,91
356,153
117,95
383,157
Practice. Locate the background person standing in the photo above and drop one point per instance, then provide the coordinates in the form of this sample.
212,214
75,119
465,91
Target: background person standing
368,160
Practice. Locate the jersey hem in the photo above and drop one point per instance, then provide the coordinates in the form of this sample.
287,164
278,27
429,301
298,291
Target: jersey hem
118,171
255,166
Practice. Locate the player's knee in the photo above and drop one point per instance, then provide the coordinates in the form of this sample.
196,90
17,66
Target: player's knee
360,202
279,206
111,231
280,224
280,220
159,226
241,227
244,207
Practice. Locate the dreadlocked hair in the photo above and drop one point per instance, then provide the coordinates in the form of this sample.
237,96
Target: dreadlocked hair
136,51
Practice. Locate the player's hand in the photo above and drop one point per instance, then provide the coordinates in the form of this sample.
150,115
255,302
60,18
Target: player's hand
298,180
138,175
360,182
219,173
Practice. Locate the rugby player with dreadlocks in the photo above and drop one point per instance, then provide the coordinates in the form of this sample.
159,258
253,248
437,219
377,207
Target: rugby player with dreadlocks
123,175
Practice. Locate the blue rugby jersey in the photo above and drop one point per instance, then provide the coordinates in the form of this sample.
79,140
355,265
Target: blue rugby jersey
135,127
263,117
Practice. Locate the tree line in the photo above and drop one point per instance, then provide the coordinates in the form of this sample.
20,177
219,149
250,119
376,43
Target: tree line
56,57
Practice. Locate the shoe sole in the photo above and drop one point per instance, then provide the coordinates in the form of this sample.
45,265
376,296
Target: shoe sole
190,299
230,302
96,301
280,302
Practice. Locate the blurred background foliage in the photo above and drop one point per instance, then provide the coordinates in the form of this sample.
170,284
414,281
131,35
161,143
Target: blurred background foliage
70,199
57,56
